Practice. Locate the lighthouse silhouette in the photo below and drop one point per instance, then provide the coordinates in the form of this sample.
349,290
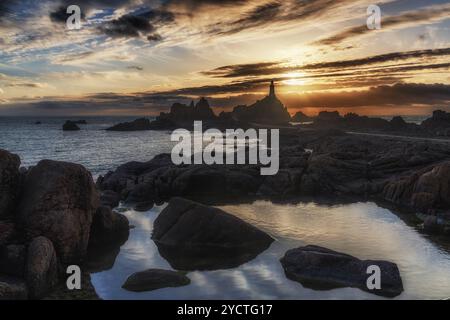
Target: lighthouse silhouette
272,89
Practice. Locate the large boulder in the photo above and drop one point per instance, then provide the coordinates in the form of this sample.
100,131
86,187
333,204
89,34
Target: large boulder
154,279
9,182
58,201
108,227
12,288
192,236
320,268
42,267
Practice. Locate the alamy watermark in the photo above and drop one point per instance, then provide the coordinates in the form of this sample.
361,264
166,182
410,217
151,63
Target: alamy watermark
73,22
374,17
234,146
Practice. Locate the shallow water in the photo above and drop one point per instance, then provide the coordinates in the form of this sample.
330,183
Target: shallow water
364,230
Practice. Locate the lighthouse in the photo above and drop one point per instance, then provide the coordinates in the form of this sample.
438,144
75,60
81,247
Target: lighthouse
272,90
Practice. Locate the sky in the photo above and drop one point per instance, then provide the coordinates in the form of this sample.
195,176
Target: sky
137,57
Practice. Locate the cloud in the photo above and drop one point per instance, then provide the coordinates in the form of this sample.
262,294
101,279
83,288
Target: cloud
274,68
137,25
410,18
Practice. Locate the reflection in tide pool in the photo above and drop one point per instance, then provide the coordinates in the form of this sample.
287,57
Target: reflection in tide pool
360,229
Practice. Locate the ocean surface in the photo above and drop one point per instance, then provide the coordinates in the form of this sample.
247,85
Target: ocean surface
364,230
98,150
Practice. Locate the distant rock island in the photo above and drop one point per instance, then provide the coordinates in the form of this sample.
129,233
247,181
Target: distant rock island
268,111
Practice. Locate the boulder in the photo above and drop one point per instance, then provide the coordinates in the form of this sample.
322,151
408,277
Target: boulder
109,198
9,182
42,268
108,227
12,260
323,269
154,279
70,126
58,201
192,236
12,288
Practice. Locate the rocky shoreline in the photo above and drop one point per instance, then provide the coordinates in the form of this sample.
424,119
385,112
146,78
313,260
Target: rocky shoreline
50,218
410,174
53,215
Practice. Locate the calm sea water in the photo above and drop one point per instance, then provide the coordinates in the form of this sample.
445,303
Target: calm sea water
98,150
361,229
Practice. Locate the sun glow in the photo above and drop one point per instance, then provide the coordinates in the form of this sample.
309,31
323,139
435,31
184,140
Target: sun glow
294,79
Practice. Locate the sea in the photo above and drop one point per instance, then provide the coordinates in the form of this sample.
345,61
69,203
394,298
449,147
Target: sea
363,229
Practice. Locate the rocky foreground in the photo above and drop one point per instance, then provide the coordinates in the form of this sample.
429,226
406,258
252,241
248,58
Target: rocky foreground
50,218
412,174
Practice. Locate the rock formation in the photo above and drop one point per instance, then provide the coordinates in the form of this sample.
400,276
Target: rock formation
192,236
154,279
50,217
269,110
70,126
320,268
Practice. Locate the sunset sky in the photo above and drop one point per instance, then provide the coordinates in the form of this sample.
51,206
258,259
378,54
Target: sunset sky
140,56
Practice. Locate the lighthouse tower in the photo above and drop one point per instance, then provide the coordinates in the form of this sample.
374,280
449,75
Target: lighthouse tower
272,90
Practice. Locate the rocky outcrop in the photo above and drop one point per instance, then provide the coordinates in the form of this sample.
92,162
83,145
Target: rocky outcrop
154,279
58,201
321,268
269,110
42,267
9,182
70,126
53,217
301,117
438,124
192,236
141,124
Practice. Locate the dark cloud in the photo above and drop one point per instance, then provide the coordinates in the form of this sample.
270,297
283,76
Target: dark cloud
136,25
256,17
277,12
138,68
154,37
419,16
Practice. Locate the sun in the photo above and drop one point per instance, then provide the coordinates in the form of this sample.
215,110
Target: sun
294,78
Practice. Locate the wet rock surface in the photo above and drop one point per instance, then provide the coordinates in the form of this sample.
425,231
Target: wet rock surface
323,269
154,279
192,236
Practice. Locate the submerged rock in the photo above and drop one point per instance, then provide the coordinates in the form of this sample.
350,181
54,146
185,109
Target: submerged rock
154,279
58,201
192,236
323,269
